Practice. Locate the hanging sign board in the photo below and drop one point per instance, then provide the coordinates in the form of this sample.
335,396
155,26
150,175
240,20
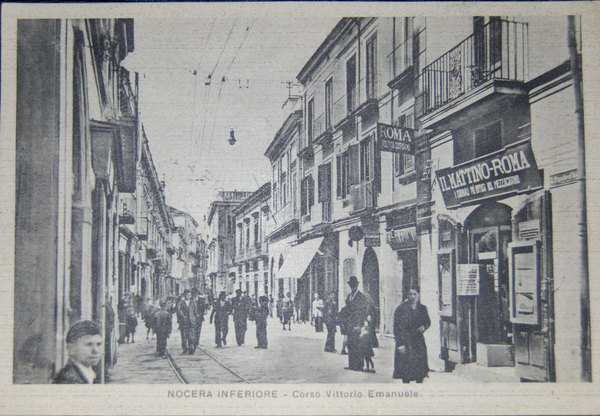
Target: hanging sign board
512,169
372,240
467,279
394,139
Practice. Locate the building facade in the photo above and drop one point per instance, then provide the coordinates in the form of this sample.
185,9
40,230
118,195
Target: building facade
250,269
184,242
284,219
76,142
221,239
447,153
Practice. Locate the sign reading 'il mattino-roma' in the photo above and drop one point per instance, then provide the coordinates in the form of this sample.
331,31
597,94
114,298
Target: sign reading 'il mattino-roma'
512,169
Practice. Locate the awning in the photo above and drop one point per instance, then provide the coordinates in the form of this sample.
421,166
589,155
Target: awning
278,251
298,258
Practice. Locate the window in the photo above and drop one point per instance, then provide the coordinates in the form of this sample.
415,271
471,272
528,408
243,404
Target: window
366,160
347,171
283,189
351,84
294,191
371,69
256,234
404,163
275,197
488,139
310,113
324,180
307,195
328,102
247,234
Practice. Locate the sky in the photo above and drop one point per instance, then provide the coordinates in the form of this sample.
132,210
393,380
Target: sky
200,78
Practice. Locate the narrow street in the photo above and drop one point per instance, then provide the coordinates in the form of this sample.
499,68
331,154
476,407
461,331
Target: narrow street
294,356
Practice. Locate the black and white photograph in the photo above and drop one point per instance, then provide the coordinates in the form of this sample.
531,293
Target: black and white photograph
362,205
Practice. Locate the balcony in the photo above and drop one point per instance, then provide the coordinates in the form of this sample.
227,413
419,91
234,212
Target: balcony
362,196
126,216
493,60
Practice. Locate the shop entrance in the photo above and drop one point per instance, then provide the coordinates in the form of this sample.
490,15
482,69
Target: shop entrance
370,273
488,231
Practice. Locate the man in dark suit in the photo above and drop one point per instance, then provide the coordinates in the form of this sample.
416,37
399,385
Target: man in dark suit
241,309
84,345
330,319
220,313
162,325
358,308
201,307
186,314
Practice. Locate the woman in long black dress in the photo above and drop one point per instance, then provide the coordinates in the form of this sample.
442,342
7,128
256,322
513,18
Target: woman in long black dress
410,321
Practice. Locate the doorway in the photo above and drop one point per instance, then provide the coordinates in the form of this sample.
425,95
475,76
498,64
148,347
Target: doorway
370,273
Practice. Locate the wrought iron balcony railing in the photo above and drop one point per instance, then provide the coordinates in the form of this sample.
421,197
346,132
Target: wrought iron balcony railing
495,51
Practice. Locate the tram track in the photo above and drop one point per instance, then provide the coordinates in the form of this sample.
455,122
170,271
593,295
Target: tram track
184,380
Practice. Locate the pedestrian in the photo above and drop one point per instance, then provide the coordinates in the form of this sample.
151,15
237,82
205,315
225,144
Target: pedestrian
260,317
147,316
342,318
186,316
84,346
288,311
220,313
162,324
271,305
317,312
411,320
131,324
330,317
241,309
366,347
200,311
279,307
358,306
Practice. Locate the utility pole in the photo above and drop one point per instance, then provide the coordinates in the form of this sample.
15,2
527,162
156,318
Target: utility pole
586,370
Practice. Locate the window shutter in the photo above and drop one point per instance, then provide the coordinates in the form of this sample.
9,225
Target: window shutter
311,191
324,181
338,179
303,202
353,171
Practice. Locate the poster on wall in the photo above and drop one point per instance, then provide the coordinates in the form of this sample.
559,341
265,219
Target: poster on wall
467,279
446,279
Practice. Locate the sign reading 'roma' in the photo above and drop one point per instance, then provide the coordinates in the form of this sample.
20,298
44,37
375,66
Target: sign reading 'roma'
512,169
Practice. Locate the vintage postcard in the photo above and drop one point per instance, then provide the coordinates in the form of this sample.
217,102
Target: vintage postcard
300,208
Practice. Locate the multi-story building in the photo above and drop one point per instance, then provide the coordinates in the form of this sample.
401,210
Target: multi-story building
76,141
250,270
185,246
461,144
284,219
200,270
154,225
221,239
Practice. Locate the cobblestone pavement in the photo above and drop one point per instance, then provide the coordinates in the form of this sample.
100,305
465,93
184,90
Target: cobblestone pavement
294,356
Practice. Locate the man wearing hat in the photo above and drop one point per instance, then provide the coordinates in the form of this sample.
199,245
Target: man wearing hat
358,307
84,345
241,309
186,316
220,313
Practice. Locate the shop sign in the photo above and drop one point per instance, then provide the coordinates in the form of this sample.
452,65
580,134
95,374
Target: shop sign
563,178
467,279
394,139
512,169
372,240
403,238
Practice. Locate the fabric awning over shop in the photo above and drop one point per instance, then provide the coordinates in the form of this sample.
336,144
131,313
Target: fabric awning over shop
298,258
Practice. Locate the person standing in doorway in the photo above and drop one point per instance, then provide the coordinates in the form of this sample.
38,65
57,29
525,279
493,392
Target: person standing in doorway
162,324
330,317
358,308
220,314
317,312
411,320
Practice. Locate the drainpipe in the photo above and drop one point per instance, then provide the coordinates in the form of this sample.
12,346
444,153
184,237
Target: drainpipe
584,282
393,72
